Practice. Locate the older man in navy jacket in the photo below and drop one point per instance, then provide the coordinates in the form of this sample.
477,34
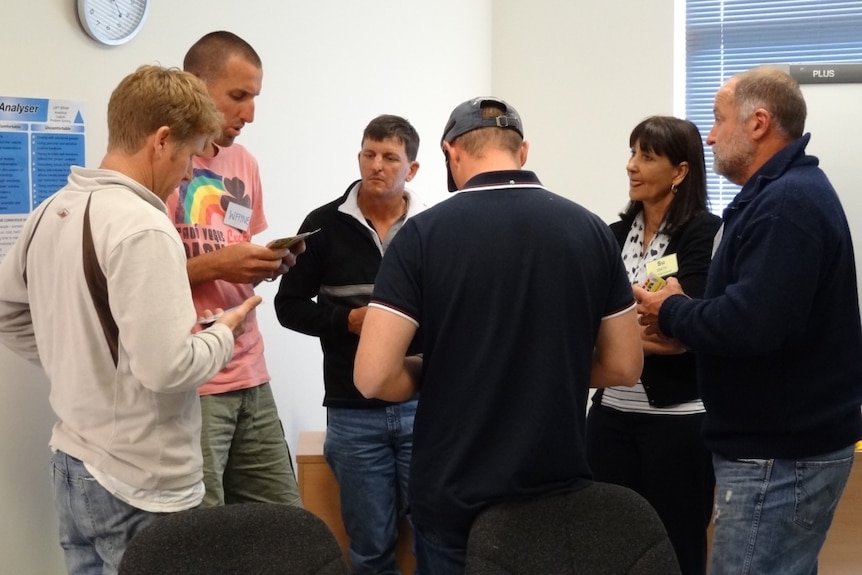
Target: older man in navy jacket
778,335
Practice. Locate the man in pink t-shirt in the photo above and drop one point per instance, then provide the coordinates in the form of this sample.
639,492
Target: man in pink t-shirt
216,214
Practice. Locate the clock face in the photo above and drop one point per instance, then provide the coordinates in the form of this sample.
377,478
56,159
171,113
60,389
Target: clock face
112,22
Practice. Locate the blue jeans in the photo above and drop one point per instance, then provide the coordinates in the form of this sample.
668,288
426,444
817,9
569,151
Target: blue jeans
439,553
369,452
772,515
95,526
246,458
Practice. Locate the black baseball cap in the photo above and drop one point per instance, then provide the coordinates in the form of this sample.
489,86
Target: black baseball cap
467,117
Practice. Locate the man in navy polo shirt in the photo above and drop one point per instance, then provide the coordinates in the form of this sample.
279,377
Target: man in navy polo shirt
521,302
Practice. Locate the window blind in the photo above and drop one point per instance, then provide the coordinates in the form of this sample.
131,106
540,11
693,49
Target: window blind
725,37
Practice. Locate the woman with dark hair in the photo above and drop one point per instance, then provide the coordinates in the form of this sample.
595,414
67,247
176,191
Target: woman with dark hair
648,437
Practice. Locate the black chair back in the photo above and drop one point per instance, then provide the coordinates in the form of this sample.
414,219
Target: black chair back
602,529
249,538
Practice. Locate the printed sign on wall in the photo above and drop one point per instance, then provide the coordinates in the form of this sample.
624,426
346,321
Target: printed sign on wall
39,140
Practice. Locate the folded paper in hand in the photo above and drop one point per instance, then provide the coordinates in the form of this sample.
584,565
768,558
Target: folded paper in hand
284,243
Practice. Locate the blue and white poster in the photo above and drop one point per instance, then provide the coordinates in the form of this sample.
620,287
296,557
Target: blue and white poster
39,140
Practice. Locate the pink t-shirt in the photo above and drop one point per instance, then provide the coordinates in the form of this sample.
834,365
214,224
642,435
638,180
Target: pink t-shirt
226,187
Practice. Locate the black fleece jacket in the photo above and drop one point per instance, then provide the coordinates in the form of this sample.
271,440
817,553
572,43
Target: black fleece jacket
338,268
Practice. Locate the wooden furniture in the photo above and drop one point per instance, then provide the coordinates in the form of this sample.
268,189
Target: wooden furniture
842,552
319,492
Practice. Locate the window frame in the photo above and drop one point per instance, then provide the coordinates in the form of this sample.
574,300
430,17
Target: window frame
716,39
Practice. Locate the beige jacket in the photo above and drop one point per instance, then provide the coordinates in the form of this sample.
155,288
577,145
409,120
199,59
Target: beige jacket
137,419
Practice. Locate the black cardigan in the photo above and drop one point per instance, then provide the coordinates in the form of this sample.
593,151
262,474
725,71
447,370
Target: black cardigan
672,379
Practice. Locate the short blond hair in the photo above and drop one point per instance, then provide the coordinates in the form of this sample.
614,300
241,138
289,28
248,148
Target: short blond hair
152,97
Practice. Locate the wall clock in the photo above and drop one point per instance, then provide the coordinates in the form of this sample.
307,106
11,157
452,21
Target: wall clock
112,22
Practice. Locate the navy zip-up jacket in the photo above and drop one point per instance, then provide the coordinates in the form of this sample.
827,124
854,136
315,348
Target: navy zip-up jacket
778,331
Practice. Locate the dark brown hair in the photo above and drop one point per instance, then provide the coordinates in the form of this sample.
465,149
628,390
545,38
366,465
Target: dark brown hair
679,141
389,126
206,58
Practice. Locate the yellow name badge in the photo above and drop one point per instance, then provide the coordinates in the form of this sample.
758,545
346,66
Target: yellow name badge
663,267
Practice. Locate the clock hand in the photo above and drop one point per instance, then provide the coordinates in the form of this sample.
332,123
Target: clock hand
117,6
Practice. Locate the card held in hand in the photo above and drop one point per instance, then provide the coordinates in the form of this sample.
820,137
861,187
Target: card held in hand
284,243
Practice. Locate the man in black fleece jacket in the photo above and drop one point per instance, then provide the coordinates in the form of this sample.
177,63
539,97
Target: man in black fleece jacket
777,333
368,442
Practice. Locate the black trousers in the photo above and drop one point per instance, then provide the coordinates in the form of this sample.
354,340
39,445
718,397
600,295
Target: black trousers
663,458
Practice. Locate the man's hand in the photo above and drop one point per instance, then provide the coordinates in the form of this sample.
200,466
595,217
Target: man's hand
649,303
289,258
244,262
235,318
355,319
658,344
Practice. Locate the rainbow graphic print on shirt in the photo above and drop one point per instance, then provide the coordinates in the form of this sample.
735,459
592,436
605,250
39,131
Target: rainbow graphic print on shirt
204,200
199,212
201,200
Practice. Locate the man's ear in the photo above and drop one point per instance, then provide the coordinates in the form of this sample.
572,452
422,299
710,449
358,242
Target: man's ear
451,152
414,167
525,148
760,123
161,138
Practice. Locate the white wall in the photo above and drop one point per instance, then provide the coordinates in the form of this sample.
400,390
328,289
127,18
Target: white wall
832,127
580,74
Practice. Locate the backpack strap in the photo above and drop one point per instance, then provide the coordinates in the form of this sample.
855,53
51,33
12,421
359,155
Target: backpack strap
30,239
98,286
96,280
